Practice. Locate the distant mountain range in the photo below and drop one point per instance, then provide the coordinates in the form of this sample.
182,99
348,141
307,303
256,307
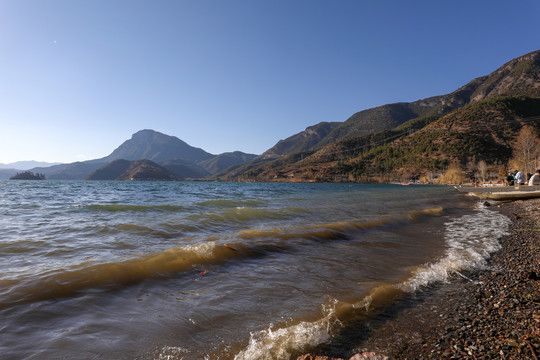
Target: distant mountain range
26,165
11,169
171,155
411,139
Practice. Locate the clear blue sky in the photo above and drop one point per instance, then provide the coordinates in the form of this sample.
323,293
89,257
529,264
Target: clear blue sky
77,78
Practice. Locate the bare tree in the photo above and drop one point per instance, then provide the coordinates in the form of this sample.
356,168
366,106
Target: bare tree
526,151
503,171
482,170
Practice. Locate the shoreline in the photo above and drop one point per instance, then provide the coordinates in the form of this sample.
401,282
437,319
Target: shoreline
491,313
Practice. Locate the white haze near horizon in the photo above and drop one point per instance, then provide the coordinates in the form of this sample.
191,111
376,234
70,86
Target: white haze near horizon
26,165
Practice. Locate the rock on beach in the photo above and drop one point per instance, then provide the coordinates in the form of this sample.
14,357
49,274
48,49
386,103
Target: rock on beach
359,356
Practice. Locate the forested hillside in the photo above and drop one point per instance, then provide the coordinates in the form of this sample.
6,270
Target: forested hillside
479,122
481,131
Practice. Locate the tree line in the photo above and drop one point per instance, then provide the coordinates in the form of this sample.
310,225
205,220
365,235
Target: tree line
28,175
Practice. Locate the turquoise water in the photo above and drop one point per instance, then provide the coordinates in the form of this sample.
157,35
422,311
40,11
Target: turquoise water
194,270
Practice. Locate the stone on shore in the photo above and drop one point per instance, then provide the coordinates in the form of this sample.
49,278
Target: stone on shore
314,357
369,356
360,356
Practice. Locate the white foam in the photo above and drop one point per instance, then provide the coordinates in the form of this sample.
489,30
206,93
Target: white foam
365,303
172,353
204,250
470,239
277,344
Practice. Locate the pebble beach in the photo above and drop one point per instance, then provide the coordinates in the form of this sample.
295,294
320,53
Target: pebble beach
493,313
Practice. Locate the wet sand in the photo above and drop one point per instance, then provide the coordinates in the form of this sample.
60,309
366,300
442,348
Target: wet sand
492,313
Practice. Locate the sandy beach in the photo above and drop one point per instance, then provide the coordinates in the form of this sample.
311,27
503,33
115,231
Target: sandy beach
493,313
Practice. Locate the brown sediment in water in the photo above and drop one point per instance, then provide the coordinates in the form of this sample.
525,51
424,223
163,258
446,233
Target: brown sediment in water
492,313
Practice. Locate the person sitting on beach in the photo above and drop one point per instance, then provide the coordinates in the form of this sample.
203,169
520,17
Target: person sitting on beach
520,177
509,179
535,179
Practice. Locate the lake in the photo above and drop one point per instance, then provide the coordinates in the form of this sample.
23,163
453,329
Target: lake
209,270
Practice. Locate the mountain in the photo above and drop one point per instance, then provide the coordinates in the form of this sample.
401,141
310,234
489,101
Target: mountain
226,160
184,169
415,137
155,146
485,130
481,131
26,165
144,144
367,122
372,141
140,170
176,156
520,76
110,171
7,173
307,139
74,171
517,77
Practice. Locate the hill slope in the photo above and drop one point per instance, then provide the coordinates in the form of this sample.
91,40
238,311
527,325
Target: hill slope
483,130
520,76
74,171
141,170
225,161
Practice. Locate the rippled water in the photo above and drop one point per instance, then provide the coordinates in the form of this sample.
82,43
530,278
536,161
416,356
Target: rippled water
194,270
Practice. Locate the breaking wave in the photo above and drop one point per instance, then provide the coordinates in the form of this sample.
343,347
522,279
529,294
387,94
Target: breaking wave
253,244
281,343
470,239
337,230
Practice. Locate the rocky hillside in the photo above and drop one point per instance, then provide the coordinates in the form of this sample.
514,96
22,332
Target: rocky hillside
307,139
483,130
520,76
479,121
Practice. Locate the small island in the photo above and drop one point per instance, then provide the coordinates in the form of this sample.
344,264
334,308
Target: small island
27,175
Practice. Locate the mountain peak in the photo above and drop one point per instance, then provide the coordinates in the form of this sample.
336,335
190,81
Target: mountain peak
149,135
153,145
